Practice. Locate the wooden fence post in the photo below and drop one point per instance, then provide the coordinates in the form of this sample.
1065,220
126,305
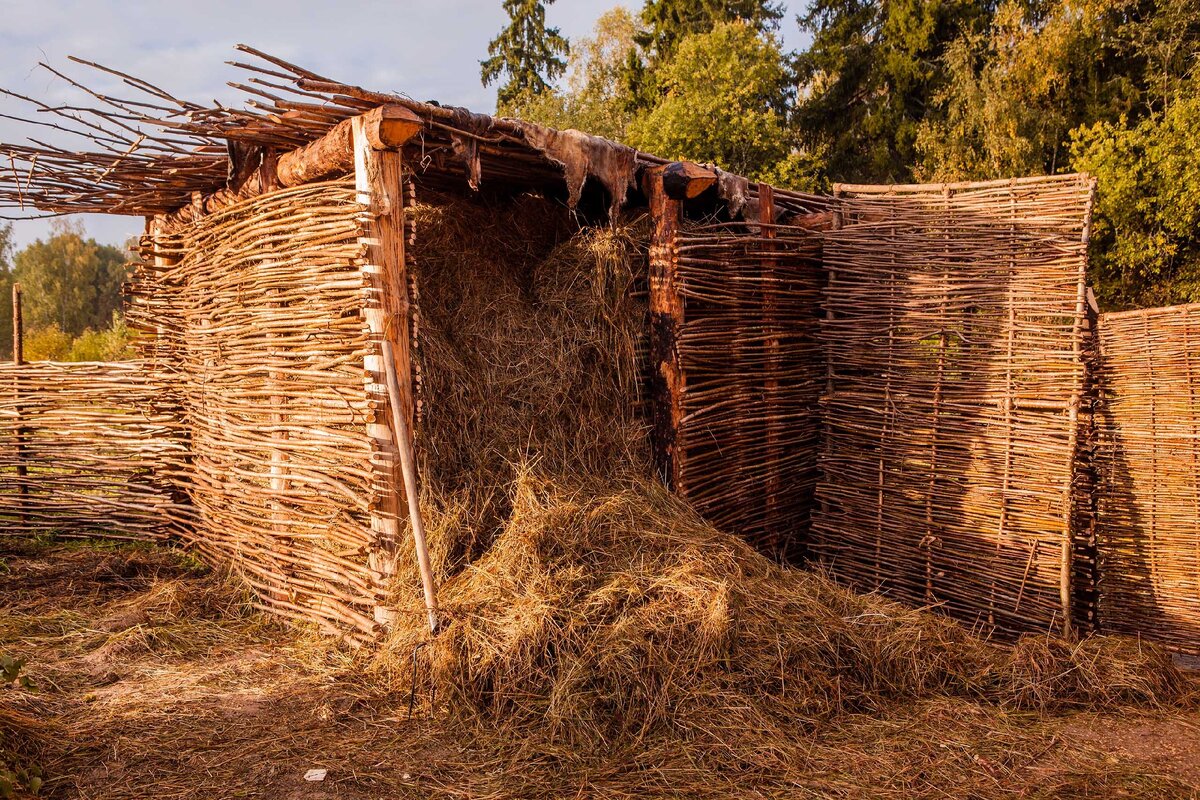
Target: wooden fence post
667,381
18,357
773,362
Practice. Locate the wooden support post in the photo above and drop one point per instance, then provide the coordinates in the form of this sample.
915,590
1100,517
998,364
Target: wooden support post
378,180
18,357
774,363
667,380
18,327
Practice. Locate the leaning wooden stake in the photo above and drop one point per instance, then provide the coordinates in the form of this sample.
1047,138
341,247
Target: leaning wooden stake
409,467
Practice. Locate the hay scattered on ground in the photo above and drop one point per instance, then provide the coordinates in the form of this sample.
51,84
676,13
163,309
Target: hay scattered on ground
234,705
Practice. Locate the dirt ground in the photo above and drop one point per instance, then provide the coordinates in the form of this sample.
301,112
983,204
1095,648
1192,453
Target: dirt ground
153,679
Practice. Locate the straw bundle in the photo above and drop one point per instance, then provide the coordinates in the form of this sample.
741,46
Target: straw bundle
531,354
586,608
1148,527
953,337
89,449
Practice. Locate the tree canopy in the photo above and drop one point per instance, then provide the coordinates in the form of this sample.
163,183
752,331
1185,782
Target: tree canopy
69,280
904,90
725,98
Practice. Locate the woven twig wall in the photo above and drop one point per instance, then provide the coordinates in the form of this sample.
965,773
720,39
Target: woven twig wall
953,336
748,349
1148,522
88,450
260,310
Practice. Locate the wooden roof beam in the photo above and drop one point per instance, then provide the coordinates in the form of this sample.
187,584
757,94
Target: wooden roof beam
386,128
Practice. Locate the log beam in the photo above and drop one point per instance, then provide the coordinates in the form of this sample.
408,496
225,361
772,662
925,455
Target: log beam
383,128
683,180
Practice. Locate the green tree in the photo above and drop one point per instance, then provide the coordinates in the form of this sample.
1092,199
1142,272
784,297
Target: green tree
526,53
869,76
1094,85
1014,92
1146,229
114,343
594,99
726,94
47,343
69,281
665,25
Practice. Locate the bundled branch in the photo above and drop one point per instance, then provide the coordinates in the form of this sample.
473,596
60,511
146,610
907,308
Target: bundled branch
953,335
1148,520
151,153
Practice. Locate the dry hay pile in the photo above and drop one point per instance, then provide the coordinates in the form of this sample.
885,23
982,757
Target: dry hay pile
586,610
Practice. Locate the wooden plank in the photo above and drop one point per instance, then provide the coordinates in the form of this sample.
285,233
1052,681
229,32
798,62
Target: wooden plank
667,379
378,181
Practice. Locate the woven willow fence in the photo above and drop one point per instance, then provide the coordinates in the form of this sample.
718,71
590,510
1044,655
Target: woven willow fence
1148,518
953,336
258,310
89,450
753,373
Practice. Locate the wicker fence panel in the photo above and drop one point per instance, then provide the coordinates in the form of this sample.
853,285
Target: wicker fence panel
748,348
953,333
88,450
259,309
1148,521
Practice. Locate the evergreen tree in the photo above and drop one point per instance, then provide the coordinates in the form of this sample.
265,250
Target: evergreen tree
593,99
527,53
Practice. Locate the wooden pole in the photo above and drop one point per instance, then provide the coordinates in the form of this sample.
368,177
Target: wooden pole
18,327
18,357
409,468
774,364
378,181
667,381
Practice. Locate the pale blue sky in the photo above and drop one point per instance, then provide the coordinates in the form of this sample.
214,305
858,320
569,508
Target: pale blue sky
427,49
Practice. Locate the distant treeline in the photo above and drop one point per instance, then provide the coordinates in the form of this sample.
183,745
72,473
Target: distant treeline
71,297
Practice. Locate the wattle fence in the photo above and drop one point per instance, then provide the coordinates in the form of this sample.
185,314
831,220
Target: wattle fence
1148,459
953,335
912,396
90,449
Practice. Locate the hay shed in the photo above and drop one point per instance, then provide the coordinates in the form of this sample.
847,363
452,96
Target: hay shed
888,382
